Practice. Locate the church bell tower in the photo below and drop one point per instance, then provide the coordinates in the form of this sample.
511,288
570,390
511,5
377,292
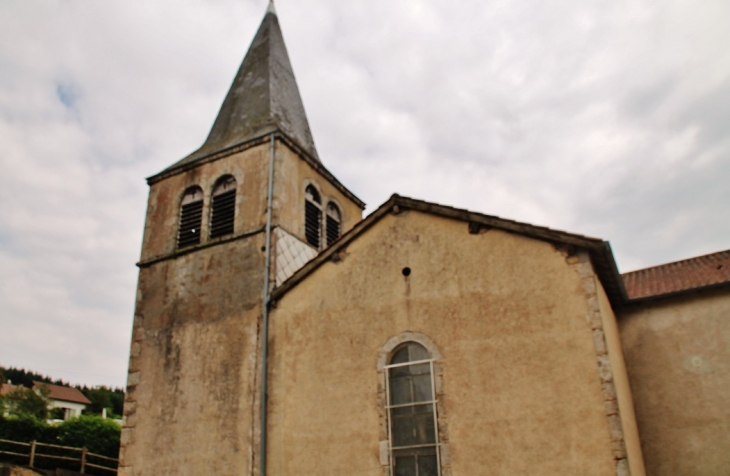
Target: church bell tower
224,226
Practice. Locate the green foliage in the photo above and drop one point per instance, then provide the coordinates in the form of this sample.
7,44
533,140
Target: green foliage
96,434
101,396
26,428
100,399
25,402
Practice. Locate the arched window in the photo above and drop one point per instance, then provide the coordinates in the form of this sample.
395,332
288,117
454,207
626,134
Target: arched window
412,412
332,223
191,217
312,216
223,208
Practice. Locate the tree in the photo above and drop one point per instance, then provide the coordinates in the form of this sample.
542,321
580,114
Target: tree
26,402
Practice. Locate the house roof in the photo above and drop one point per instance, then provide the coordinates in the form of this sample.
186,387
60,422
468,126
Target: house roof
599,250
678,277
7,388
65,394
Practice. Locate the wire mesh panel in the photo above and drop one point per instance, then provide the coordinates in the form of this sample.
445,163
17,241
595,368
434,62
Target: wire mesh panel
291,255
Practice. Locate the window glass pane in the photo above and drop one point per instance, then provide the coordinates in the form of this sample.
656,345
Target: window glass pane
407,410
422,388
400,357
427,465
418,352
405,466
404,430
415,427
420,369
425,430
400,391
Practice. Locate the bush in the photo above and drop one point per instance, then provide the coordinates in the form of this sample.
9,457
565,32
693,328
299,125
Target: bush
26,428
96,434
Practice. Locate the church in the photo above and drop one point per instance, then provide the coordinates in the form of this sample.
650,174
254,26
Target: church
277,331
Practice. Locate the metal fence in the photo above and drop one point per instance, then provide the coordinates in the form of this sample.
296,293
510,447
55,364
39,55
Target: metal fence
35,451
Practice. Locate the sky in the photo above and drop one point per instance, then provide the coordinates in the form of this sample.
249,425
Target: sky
608,119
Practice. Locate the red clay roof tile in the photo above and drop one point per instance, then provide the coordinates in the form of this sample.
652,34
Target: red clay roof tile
66,394
685,275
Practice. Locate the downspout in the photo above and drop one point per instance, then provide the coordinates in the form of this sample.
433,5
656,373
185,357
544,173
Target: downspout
265,323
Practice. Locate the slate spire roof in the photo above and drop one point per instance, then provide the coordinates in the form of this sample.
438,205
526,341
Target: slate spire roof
263,98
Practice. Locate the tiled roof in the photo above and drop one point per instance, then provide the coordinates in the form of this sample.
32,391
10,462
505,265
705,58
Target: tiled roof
66,394
685,275
7,388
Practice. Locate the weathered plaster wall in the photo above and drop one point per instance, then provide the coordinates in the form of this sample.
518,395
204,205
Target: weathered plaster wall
250,168
677,353
192,367
521,390
192,399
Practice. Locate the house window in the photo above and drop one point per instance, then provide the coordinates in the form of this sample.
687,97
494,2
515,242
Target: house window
332,223
191,216
312,216
411,408
223,208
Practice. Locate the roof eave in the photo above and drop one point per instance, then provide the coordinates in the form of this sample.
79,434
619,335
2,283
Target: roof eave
599,250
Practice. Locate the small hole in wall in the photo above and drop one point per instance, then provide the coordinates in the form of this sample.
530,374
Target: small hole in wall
406,271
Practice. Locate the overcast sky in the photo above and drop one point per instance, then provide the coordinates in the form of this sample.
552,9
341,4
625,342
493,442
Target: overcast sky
608,119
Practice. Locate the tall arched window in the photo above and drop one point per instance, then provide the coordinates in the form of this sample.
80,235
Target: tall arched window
412,412
332,223
191,217
223,208
312,216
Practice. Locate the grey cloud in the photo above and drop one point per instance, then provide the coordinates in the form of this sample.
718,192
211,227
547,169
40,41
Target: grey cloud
608,119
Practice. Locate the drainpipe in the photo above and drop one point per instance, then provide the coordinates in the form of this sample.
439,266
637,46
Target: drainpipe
265,323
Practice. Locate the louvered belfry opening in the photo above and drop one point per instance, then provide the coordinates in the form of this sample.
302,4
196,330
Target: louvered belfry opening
191,217
223,207
332,223
312,216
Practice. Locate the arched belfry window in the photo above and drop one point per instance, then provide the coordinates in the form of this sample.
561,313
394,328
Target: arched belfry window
191,217
411,409
333,222
312,216
223,207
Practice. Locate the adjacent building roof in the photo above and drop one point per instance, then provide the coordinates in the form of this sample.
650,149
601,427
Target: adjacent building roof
599,250
7,388
680,276
65,394
263,98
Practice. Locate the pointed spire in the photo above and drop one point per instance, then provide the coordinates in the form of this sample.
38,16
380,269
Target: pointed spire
263,98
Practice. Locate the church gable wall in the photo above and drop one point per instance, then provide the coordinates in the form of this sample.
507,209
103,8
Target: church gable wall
519,388
677,352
